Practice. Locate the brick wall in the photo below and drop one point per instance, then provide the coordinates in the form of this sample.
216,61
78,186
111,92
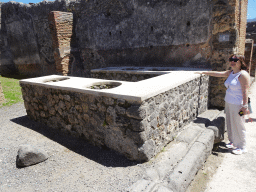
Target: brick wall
61,25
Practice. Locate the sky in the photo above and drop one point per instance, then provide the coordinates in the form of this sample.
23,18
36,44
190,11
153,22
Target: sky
251,13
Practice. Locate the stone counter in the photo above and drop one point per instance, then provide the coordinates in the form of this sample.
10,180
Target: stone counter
136,119
134,74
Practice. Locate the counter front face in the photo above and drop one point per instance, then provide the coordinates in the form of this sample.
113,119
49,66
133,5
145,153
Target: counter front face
137,119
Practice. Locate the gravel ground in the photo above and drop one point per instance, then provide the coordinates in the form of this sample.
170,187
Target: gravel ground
73,165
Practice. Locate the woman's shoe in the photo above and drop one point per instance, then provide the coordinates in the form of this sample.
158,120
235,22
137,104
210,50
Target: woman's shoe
239,151
230,145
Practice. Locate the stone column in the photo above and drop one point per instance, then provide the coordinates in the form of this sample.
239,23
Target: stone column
61,25
248,55
228,37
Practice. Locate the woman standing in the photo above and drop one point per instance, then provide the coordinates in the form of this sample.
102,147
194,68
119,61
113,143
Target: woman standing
236,100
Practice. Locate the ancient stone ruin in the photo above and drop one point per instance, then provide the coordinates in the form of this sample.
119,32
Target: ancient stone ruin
136,119
73,37
30,155
139,55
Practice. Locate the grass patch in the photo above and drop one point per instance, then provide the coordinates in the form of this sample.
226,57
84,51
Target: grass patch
163,150
11,90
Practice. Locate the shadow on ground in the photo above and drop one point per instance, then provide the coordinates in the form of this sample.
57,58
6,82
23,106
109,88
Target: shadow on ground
16,76
250,120
220,148
104,155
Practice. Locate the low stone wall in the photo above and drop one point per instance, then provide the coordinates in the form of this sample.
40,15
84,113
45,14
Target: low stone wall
2,99
137,130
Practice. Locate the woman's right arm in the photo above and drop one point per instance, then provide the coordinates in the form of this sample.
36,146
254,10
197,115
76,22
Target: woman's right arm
215,73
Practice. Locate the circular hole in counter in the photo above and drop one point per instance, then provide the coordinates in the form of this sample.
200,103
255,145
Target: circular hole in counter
104,85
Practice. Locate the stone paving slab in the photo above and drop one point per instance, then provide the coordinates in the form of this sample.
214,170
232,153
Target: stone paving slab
190,134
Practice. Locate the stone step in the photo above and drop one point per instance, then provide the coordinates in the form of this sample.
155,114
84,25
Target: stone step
176,166
186,169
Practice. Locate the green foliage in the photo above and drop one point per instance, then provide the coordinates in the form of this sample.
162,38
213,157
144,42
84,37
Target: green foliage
104,123
163,150
11,90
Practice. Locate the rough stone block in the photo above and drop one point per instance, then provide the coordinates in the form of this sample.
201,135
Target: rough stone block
148,149
161,188
207,138
30,155
136,112
184,173
210,114
142,185
167,160
218,125
190,134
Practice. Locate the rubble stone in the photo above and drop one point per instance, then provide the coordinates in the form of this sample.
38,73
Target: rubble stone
137,130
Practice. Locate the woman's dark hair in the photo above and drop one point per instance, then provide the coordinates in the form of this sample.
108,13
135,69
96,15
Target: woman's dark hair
241,58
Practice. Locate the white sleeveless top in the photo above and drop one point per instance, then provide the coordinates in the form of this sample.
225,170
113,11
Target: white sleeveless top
234,92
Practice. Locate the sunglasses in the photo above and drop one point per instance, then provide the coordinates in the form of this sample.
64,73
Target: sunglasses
233,59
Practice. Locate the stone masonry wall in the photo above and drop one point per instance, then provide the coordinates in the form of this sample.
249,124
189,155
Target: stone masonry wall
6,62
61,26
228,37
111,33
27,37
108,33
143,33
2,99
138,131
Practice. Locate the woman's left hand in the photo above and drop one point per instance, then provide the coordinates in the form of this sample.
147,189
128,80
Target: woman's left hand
245,110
